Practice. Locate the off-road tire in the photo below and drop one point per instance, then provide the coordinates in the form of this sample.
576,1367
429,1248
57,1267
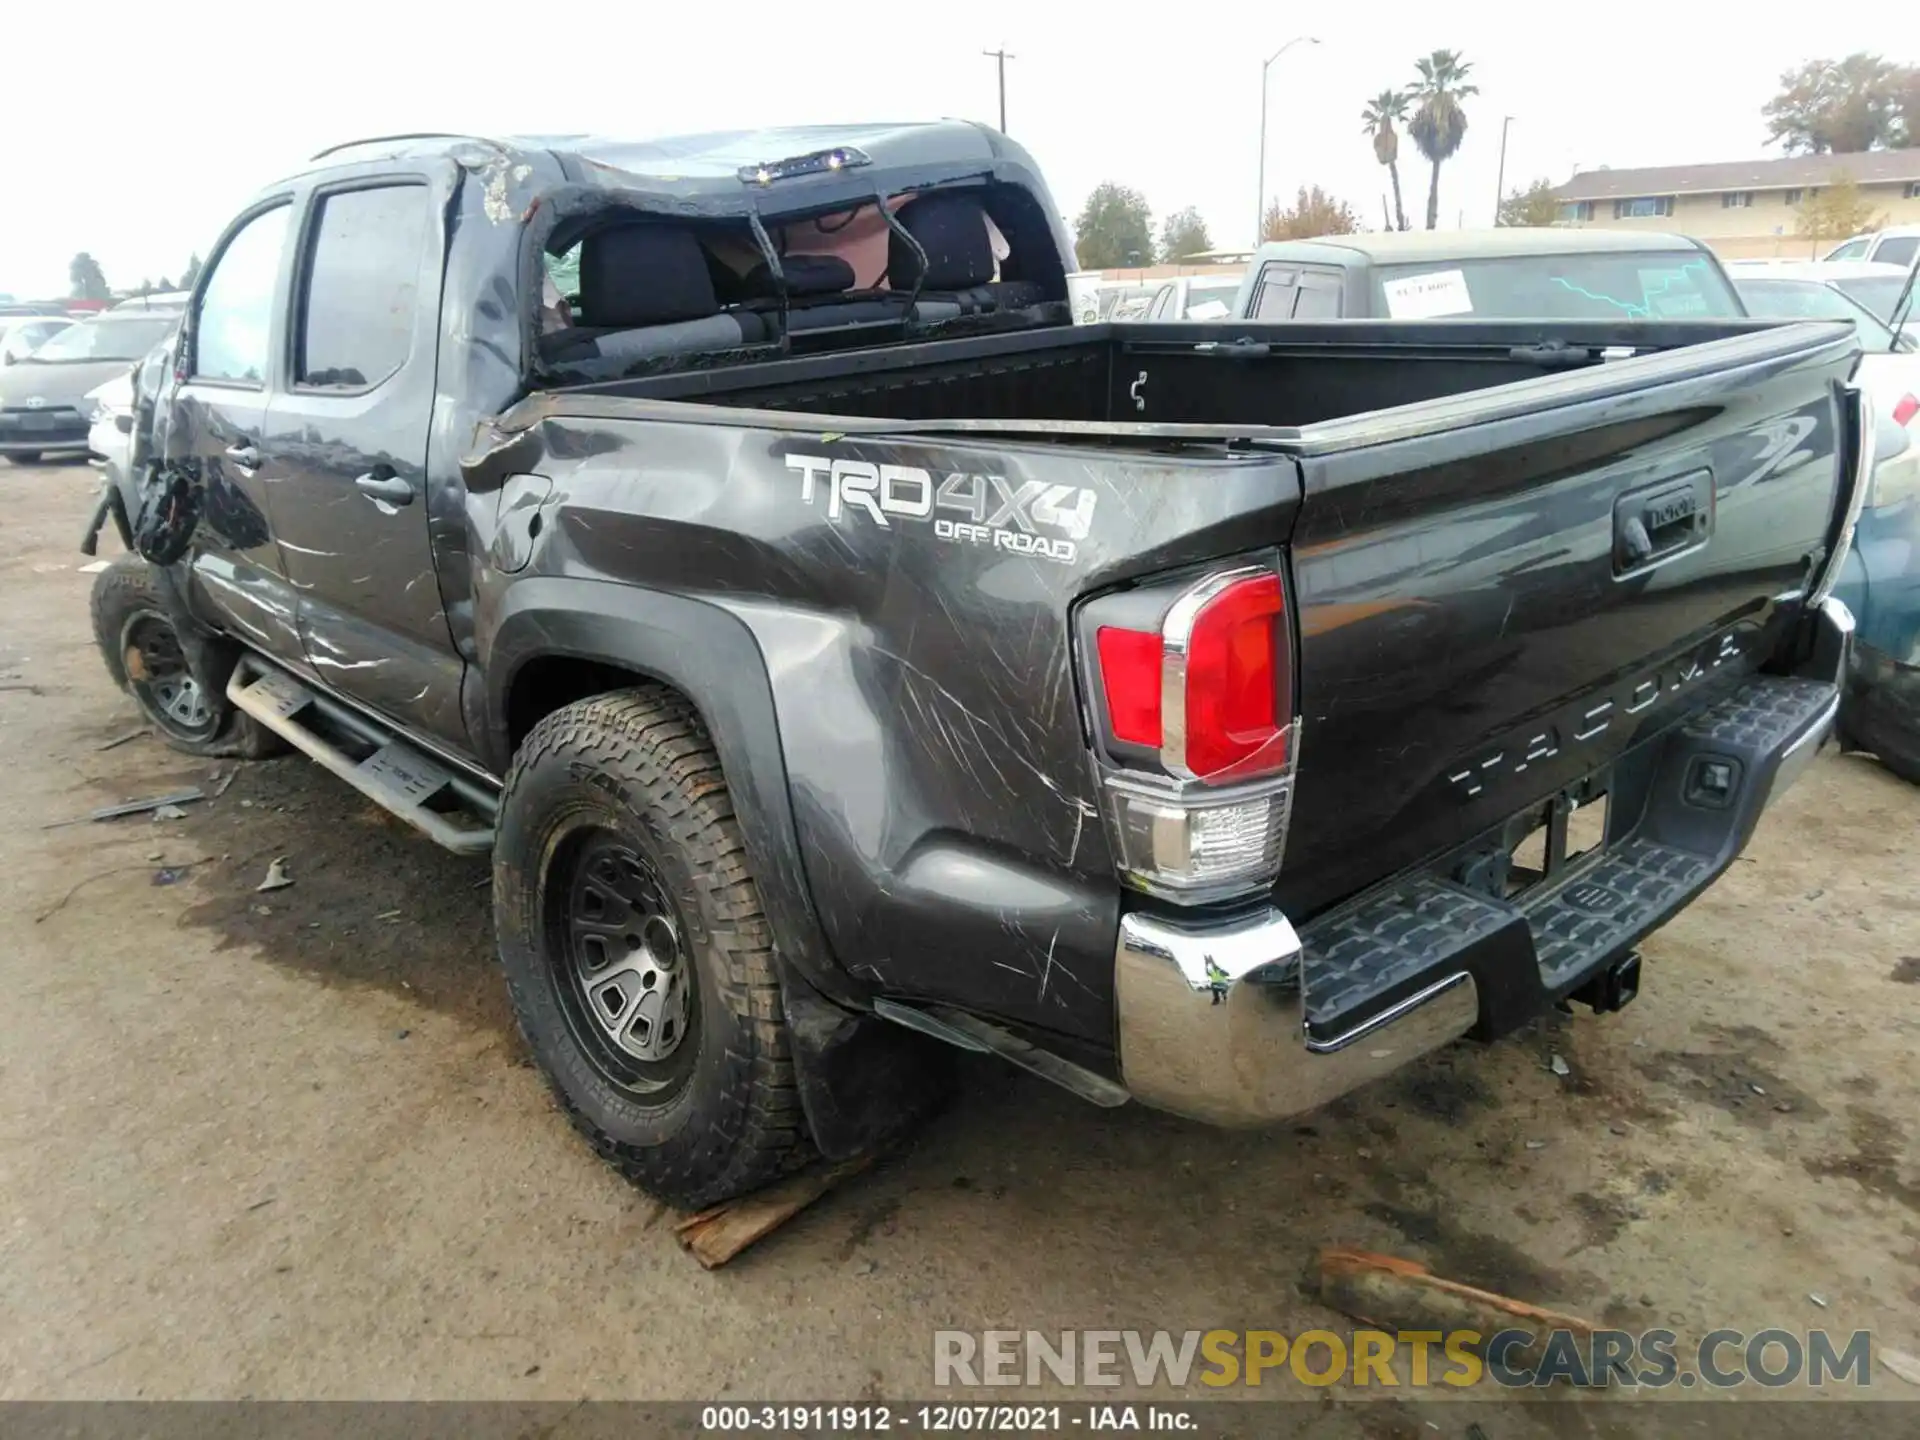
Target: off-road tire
126,591
638,764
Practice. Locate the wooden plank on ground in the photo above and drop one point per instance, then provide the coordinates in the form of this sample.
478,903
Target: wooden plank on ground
719,1233
1396,1294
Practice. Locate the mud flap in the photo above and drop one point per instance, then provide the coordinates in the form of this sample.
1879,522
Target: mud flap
864,1082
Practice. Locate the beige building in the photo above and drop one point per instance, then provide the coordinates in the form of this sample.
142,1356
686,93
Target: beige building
1744,208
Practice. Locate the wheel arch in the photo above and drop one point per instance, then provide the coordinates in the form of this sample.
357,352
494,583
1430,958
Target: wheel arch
560,640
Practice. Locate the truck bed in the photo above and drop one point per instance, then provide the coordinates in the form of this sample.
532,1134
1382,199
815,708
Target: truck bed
1232,373
1447,502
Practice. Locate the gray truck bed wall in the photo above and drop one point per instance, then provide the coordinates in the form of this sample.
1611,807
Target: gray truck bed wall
1237,373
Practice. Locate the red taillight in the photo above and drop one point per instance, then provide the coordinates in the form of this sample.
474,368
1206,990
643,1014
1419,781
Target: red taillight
1223,661
1207,694
1234,707
1130,674
1905,410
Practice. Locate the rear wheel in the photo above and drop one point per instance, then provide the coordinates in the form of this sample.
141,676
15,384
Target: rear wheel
25,457
639,961
143,654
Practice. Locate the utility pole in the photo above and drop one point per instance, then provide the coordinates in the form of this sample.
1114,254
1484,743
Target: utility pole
1500,180
1000,57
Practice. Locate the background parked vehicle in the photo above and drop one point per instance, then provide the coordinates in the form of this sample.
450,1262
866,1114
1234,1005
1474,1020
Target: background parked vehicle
1874,286
1889,363
1895,245
174,301
1880,582
1511,273
21,335
43,404
1195,297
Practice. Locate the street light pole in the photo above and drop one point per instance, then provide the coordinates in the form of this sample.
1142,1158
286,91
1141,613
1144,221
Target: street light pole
1500,180
1001,56
1260,216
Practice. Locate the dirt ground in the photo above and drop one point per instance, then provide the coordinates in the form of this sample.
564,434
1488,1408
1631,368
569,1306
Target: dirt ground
289,1145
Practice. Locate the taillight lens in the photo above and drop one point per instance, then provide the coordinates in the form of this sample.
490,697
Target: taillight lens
1130,673
1211,690
1197,764
1233,678
1905,410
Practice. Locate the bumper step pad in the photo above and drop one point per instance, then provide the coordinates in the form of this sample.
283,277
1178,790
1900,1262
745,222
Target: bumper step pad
1602,911
1702,789
1370,952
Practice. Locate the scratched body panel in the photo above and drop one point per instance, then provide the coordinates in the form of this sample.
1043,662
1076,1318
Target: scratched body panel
910,602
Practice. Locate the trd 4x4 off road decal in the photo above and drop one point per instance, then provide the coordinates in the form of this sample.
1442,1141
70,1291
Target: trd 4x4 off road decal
967,509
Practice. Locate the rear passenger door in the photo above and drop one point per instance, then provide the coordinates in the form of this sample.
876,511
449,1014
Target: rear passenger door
347,436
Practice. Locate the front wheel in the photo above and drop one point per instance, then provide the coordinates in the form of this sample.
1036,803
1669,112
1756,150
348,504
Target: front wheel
143,654
24,457
638,958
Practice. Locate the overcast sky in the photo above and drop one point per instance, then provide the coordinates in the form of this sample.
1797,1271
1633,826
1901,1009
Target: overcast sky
134,132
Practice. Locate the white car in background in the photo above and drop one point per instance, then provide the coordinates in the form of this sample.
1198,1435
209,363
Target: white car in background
1895,245
112,407
1890,366
1195,297
172,301
1868,282
21,335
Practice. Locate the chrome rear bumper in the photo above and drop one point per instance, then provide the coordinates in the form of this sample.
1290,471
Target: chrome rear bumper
1213,1019
1213,1023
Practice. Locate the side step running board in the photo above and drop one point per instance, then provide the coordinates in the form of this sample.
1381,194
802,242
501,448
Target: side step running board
450,808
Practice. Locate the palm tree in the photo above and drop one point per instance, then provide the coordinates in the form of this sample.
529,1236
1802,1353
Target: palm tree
1439,124
1377,120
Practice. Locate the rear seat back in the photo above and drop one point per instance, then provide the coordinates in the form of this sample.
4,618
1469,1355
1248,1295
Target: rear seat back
645,291
951,228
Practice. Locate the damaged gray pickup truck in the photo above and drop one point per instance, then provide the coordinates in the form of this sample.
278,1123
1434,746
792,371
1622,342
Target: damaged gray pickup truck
843,658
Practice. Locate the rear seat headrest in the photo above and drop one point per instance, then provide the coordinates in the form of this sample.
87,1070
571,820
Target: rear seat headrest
805,275
644,275
952,229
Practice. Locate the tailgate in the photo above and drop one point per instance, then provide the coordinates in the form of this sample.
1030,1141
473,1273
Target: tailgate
1497,594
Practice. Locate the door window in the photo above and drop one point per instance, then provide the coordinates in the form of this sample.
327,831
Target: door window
1898,250
1278,288
361,287
235,321
1319,297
